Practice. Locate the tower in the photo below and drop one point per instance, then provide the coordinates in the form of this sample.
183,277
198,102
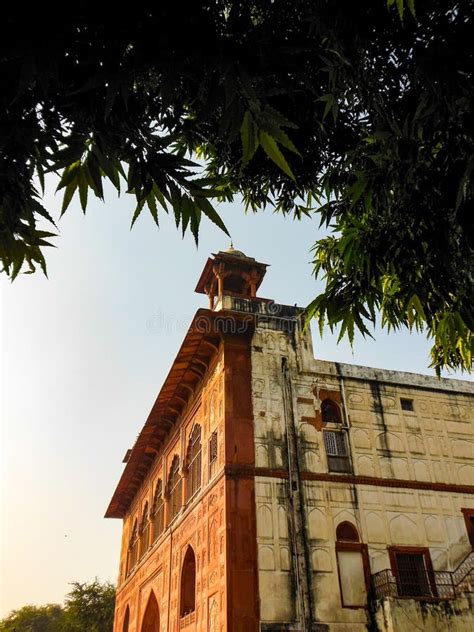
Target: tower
269,490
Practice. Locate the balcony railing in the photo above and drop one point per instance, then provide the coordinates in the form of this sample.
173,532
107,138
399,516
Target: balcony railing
429,586
187,619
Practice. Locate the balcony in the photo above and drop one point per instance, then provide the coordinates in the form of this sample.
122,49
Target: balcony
187,620
423,585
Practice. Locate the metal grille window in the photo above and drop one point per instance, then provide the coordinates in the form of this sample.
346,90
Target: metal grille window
174,488
193,481
412,575
158,511
337,453
212,454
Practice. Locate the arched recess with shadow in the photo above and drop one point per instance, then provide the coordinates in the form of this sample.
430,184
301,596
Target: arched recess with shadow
330,412
188,584
126,620
151,618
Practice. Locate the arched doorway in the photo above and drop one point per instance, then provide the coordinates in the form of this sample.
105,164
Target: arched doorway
151,618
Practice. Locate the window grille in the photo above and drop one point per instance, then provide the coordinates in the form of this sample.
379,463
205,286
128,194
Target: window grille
336,451
174,487
412,575
212,454
144,531
133,547
158,511
193,481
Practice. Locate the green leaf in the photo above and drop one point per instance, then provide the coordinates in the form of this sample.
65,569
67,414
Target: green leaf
107,167
83,189
249,136
137,212
271,149
401,8
208,210
159,196
151,202
92,167
69,174
68,193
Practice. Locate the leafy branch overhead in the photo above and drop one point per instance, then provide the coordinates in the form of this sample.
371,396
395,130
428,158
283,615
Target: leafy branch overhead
358,113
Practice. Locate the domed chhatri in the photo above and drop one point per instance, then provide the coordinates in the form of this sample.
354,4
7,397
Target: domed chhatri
235,253
230,272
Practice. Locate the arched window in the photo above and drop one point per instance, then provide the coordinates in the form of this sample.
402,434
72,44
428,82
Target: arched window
346,532
158,511
144,531
188,584
353,566
126,620
330,412
213,454
133,547
151,618
193,459
174,488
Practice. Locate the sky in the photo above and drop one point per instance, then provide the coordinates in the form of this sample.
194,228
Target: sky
84,354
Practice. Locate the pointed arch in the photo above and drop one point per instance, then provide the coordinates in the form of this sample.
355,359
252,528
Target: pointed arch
353,566
126,620
151,618
346,532
144,531
174,488
187,601
330,412
133,547
193,463
158,511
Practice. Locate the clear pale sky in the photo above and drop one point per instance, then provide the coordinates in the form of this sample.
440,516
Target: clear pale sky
84,354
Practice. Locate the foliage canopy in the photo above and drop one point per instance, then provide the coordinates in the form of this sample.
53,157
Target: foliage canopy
359,113
89,607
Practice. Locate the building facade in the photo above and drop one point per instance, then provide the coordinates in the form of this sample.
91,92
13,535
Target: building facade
272,491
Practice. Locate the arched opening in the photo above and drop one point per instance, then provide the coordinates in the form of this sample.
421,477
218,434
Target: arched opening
126,620
133,547
158,511
346,532
330,412
144,531
151,618
174,488
236,284
353,566
188,584
193,459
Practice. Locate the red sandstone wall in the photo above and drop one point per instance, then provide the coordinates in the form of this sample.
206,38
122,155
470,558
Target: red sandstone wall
219,523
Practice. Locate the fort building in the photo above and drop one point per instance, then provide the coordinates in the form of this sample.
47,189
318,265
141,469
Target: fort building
272,491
